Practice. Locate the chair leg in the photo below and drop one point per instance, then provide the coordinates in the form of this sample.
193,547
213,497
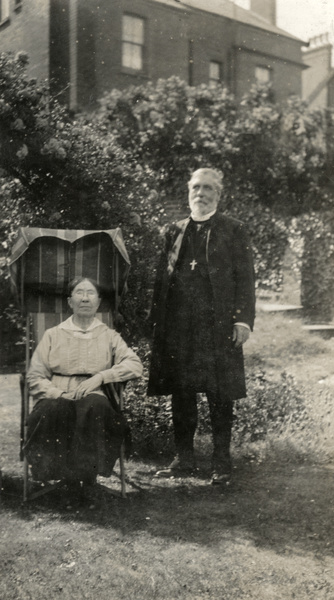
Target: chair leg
25,479
23,402
46,489
122,471
25,412
120,401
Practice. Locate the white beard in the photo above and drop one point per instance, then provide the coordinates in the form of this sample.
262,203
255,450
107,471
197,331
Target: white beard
197,217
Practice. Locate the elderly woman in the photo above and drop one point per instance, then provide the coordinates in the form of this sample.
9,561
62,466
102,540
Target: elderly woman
74,432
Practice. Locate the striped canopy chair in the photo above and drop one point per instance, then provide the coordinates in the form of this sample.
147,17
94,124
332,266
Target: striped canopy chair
42,264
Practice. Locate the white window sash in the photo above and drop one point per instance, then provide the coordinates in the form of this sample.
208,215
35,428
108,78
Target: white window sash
4,10
132,42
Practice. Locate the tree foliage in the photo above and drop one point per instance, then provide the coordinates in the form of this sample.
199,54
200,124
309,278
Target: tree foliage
124,165
273,154
317,266
70,174
273,157
64,172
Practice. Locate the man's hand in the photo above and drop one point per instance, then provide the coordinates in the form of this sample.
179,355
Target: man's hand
88,386
240,335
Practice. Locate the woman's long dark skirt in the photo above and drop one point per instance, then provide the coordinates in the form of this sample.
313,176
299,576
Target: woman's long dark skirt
75,440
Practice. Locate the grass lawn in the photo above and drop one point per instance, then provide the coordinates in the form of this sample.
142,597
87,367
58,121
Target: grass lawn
269,535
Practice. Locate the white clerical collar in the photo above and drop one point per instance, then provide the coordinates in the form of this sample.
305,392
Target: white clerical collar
200,219
69,324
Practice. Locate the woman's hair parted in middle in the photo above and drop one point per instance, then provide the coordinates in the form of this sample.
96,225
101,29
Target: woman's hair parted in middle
74,282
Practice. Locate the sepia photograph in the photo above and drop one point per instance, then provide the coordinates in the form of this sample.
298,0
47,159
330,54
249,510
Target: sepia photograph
166,299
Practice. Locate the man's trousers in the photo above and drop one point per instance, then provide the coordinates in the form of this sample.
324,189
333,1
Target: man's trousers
185,416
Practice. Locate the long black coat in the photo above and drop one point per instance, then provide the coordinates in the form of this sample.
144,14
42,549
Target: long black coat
231,273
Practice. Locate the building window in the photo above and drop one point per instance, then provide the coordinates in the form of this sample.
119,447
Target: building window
191,62
133,43
262,74
4,10
215,73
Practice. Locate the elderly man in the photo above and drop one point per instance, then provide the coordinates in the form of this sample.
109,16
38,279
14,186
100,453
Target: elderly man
203,311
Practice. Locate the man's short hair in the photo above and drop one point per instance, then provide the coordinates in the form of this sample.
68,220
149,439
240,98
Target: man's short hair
216,175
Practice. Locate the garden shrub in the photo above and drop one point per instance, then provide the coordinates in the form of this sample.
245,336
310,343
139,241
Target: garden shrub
270,407
317,265
273,157
62,172
124,165
150,418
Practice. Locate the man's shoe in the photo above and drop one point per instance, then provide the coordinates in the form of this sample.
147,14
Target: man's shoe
179,467
219,478
221,469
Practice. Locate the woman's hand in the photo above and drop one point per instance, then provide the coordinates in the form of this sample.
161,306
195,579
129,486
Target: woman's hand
68,396
88,386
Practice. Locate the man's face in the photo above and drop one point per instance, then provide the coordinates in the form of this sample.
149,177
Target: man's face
203,194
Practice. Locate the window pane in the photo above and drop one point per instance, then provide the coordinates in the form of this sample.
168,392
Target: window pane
133,30
262,74
133,42
214,72
4,9
132,56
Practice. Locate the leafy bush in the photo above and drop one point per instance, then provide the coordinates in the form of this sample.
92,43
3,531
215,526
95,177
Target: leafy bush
270,407
273,157
150,418
125,165
317,265
60,172
271,153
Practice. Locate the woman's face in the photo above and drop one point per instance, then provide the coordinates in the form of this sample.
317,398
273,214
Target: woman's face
84,300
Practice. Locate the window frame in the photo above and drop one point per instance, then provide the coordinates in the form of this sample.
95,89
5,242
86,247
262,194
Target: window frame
263,68
6,4
213,81
134,44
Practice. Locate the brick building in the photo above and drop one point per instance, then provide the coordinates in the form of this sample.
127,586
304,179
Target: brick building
87,47
318,78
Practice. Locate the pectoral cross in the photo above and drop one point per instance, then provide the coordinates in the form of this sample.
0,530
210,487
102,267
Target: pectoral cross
193,264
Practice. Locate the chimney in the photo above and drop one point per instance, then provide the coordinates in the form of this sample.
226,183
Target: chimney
266,9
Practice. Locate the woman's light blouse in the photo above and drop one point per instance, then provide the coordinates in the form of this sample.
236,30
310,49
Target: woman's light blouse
67,354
